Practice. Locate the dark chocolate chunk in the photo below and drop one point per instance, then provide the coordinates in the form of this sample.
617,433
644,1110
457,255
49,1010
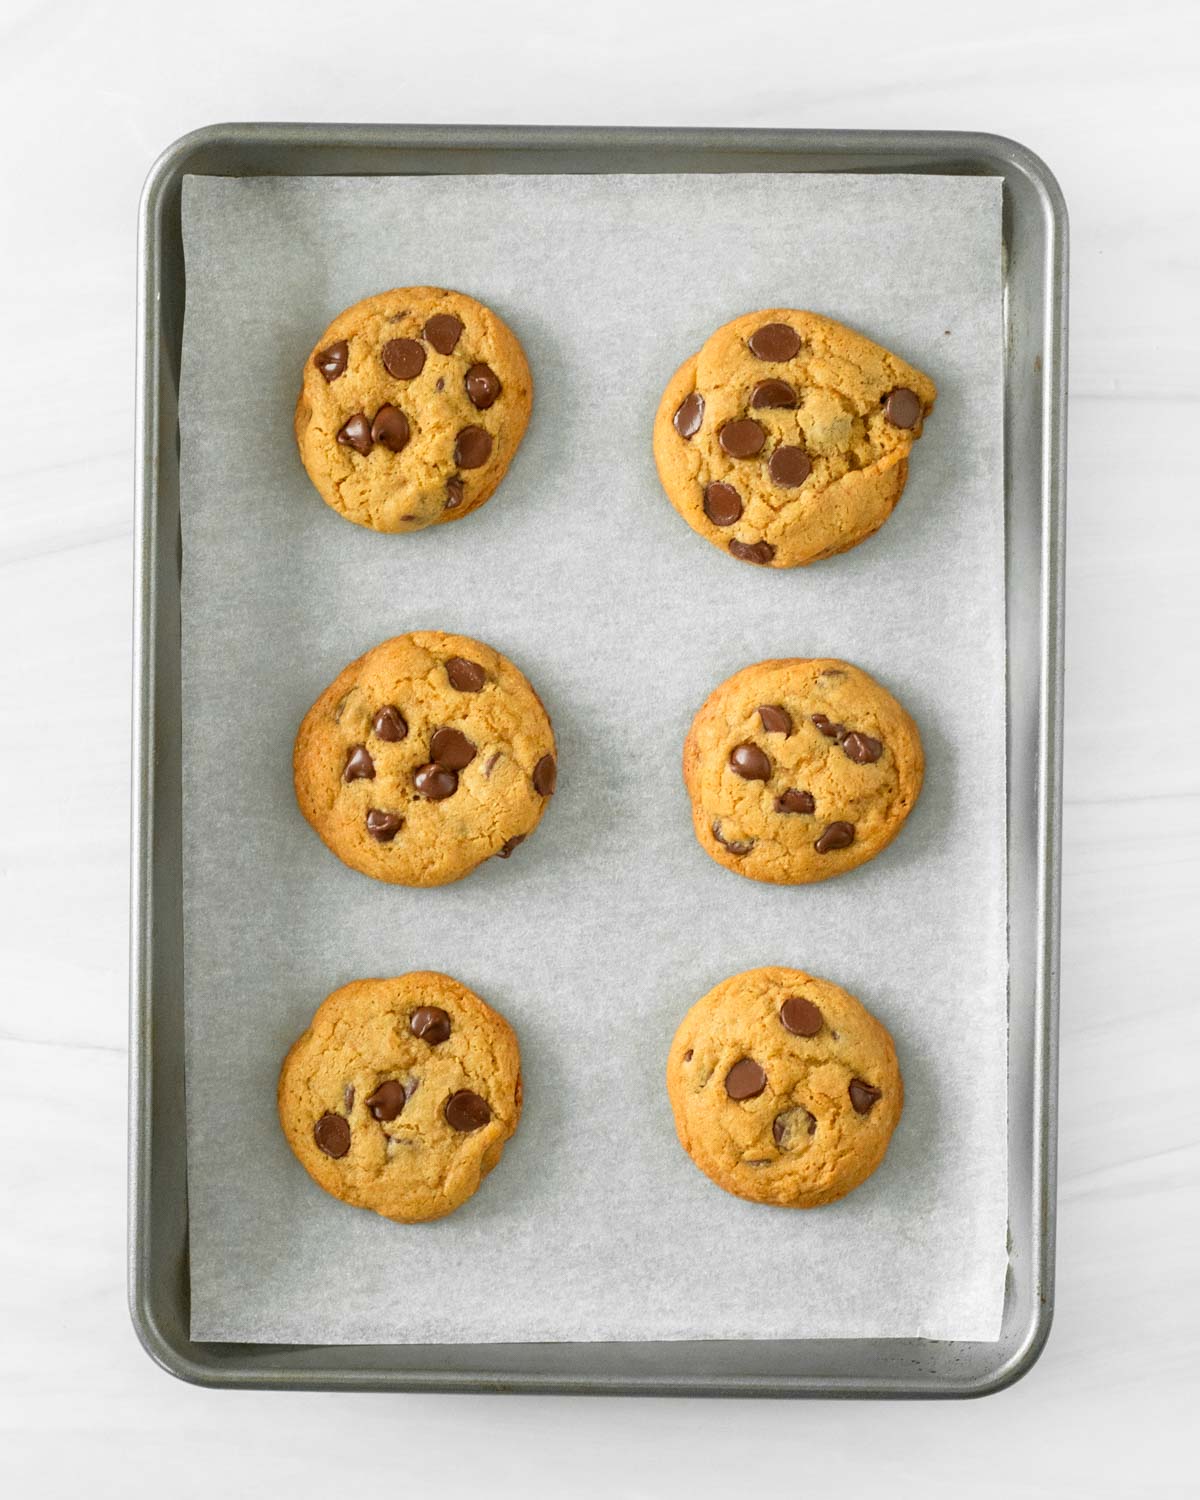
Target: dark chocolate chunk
800,1016
830,731
359,765
466,1111
775,342
795,801
483,386
430,1023
745,1080
902,408
545,776
735,846
861,748
332,361
472,447
689,415
774,718
454,493
443,331
507,847
390,428
332,1135
356,434
742,438
836,836
722,504
388,1100
789,467
466,676
389,723
383,826
751,763
404,359
863,1096
435,783
452,749
772,394
752,552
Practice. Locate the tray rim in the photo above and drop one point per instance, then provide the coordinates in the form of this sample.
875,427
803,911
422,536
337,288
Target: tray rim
860,151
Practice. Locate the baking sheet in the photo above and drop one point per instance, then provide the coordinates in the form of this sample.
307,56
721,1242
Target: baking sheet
602,930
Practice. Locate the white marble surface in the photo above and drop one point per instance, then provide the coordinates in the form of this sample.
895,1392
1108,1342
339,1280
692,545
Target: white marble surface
1107,93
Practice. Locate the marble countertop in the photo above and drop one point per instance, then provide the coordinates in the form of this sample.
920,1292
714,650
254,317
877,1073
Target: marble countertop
1106,94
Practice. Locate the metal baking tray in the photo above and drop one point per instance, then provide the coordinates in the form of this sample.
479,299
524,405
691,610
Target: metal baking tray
1035,282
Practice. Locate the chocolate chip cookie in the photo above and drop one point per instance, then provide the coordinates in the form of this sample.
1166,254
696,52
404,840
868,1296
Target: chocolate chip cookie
785,1089
412,406
401,1094
799,770
787,437
423,758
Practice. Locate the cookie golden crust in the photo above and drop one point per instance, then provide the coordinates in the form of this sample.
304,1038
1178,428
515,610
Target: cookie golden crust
800,769
785,1089
401,1094
423,758
412,406
786,439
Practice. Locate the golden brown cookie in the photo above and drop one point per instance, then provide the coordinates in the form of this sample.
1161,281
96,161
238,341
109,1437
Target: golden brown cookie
785,1089
423,758
412,406
401,1094
800,769
787,437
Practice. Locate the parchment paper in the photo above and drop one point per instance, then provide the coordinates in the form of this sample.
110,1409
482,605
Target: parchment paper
600,932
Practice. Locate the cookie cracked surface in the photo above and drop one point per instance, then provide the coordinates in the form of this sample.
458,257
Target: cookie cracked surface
401,1094
423,758
786,439
412,405
800,769
785,1089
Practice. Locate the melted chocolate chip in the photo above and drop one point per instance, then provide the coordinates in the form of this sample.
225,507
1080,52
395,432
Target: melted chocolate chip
454,493
688,1055
751,763
791,1124
507,847
689,415
795,801
435,783
775,342
332,1135
773,394
348,1097
466,676
836,836
466,1111
389,723
356,434
388,1100
545,776
332,361
863,1096
742,438
735,846
472,448
383,826
359,765
430,1023
443,331
774,718
390,428
800,1016
452,749
862,749
789,467
752,552
483,386
745,1080
403,359
491,763
722,504
902,408
830,731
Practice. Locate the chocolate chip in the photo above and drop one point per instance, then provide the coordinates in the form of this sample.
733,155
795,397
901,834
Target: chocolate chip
772,394
466,676
443,331
403,358
435,783
389,723
790,1124
472,447
861,748
466,1111
689,415
751,763
830,731
752,552
332,361
452,749
388,1100
348,1097
800,1016
390,428
545,776
789,467
507,847
359,765
332,1135
863,1096
383,826
836,836
774,718
722,504
440,384
742,438
454,493
483,386
356,434
688,1055
491,763
795,801
775,342
902,408
745,1080
735,846
430,1023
